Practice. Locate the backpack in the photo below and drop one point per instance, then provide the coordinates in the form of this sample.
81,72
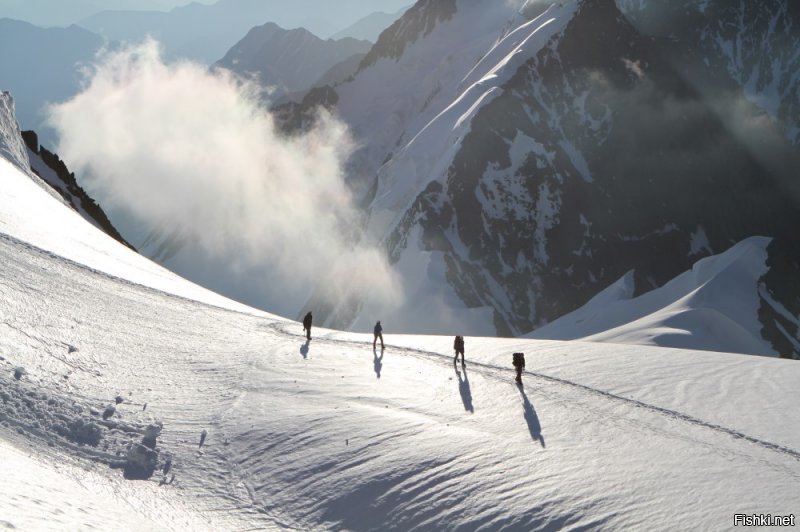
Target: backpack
519,359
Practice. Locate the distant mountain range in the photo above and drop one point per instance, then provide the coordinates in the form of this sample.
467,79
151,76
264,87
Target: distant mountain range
206,32
370,27
47,13
287,61
41,65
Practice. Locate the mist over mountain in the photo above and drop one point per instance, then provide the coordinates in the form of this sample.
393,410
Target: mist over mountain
133,399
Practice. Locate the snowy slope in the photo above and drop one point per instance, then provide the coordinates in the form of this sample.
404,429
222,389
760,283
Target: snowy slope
331,435
426,158
287,60
713,307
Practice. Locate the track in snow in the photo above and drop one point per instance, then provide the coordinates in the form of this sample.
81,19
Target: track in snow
502,374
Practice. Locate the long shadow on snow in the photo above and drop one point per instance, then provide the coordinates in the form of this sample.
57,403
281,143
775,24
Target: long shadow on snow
464,390
531,418
377,362
304,349
381,501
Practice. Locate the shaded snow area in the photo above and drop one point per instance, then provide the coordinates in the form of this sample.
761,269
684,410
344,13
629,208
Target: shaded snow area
714,306
133,400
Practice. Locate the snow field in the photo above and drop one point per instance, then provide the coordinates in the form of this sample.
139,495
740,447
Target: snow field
303,436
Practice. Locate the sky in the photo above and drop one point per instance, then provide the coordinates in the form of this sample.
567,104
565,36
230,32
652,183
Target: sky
66,12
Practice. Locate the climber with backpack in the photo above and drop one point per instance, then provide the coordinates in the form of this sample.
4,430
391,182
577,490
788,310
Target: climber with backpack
458,347
519,365
307,325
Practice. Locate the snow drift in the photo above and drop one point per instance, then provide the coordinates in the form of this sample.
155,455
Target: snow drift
712,307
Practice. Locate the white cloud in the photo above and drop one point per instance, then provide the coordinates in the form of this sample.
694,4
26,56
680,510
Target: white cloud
262,217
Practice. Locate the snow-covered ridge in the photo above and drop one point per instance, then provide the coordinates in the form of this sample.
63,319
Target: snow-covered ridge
393,97
12,148
713,306
428,154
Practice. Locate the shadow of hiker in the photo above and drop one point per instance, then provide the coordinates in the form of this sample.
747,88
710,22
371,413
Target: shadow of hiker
304,349
531,418
377,362
463,389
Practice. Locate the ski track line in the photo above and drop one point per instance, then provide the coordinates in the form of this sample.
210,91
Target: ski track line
495,371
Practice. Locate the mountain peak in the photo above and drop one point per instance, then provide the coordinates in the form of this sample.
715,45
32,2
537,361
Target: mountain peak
418,21
288,61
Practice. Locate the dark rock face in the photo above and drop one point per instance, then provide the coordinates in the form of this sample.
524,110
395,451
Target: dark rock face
627,165
293,117
71,191
753,44
779,293
31,140
716,45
